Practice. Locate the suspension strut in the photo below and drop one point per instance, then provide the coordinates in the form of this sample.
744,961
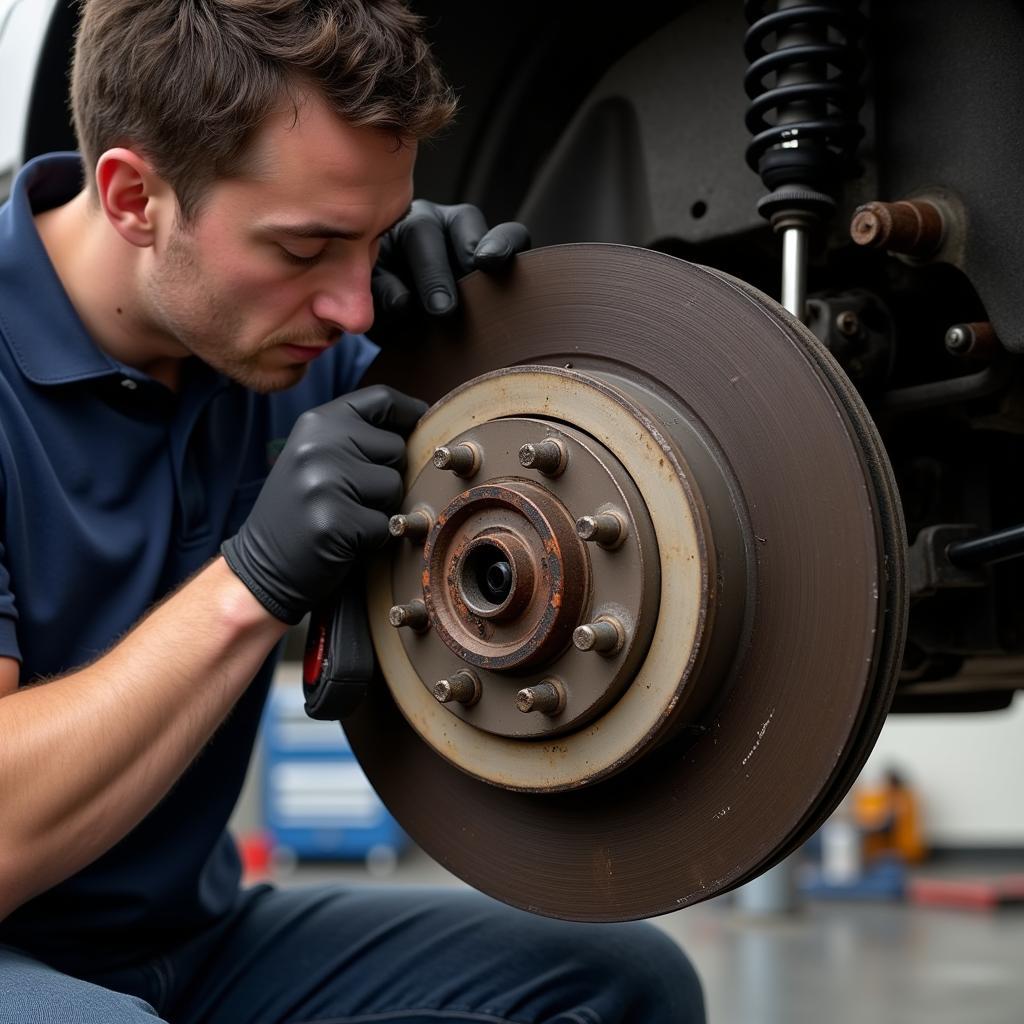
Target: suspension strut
803,152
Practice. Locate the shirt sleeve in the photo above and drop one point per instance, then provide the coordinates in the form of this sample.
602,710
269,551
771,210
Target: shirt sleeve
8,608
8,612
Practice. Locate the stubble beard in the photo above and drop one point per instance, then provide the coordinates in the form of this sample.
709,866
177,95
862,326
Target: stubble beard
207,327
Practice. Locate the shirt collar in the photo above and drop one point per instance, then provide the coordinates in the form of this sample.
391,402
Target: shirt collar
42,328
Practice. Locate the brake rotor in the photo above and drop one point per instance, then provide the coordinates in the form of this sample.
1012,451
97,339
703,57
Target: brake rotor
642,624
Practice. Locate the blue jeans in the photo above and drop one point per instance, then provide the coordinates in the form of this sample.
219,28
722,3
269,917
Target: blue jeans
375,956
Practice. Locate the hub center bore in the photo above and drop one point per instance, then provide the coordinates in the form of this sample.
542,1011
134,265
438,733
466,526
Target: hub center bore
496,580
495,576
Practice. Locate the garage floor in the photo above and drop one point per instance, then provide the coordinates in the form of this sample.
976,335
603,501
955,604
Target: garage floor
835,963
857,963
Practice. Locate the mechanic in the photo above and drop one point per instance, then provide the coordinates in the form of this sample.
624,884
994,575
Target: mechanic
193,288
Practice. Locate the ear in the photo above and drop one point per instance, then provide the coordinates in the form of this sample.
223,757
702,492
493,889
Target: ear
134,197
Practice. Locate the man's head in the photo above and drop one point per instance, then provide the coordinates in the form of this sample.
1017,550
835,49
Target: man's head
251,152
188,82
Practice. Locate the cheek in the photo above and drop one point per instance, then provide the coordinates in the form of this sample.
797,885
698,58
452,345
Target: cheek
254,287
231,265
245,274
228,279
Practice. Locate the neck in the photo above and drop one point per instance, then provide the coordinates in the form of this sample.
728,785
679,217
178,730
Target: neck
100,273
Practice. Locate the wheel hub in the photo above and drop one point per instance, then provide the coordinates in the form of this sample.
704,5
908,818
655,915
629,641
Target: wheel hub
543,579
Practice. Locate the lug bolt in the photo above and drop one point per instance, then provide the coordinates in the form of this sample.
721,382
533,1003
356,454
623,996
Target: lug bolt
547,697
976,340
413,615
958,340
461,459
548,456
414,526
913,227
608,529
605,635
463,687
848,323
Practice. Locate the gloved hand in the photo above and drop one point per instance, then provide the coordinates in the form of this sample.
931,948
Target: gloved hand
326,500
432,246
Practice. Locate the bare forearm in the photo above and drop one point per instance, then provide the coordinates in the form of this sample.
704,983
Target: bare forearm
85,757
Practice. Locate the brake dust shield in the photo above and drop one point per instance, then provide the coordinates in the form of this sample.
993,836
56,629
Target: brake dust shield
641,623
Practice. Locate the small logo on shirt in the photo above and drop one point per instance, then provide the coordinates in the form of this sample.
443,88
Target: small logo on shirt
274,449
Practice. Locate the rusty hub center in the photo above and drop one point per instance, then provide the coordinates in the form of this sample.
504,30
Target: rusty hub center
506,578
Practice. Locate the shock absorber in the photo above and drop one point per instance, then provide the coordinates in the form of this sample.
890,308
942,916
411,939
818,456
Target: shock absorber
804,119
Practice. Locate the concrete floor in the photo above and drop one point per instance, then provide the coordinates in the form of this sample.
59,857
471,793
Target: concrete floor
831,962
857,963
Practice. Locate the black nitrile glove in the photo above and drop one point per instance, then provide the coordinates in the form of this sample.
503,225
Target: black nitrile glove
326,501
429,248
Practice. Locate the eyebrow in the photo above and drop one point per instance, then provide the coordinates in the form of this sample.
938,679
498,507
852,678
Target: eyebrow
315,229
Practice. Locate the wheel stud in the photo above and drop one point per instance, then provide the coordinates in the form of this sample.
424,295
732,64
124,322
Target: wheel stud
413,615
608,529
547,697
413,526
605,635
461,459
463,687
548,456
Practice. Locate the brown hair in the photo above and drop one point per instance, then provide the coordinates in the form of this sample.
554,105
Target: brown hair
187,82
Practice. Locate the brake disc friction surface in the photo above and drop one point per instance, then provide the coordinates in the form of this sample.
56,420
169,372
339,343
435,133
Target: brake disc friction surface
696,801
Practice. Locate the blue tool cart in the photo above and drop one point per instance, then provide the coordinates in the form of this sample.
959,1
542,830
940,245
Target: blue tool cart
317,803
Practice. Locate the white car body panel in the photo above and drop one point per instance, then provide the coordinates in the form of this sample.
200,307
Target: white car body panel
22,31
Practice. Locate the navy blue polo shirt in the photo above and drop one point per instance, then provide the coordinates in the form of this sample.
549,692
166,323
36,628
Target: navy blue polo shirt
113,490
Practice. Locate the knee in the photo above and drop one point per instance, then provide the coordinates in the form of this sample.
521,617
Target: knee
533,968
620,973
640,974
32,993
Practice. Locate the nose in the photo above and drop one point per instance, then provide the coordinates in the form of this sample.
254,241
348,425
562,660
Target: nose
344,298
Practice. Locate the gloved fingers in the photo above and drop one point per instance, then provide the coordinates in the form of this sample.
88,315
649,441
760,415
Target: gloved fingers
466,227
387,408
424,250
372,487
377,445
500,244
391,298
366,532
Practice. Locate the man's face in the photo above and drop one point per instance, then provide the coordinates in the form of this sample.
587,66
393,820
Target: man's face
276,264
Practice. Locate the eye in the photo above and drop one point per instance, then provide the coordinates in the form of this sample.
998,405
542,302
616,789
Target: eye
300,261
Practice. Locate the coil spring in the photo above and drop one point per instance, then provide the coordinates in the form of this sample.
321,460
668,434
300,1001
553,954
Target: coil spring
832,101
